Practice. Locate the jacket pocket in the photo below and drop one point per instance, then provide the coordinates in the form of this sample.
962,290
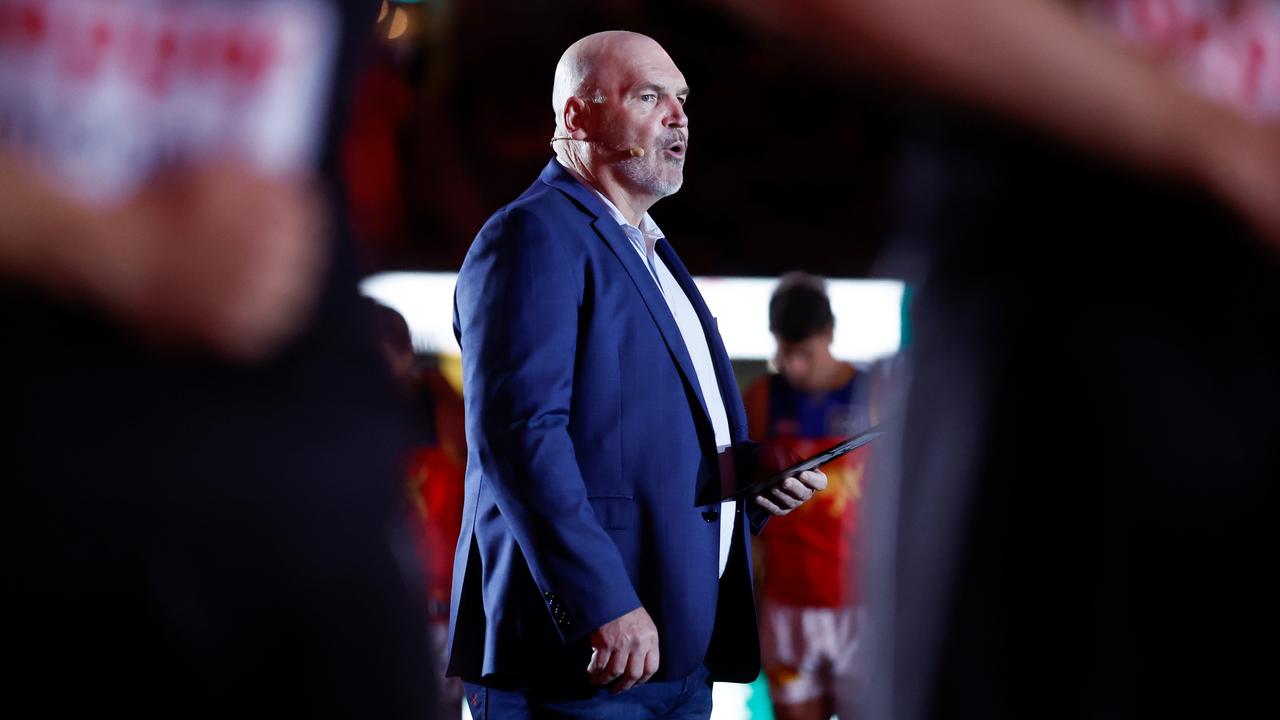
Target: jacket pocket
614,512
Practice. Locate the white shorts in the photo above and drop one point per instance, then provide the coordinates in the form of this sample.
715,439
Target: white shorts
814,652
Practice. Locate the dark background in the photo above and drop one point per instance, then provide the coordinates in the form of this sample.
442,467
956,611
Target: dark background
789,162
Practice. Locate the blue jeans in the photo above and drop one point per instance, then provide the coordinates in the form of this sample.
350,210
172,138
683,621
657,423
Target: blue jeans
687,699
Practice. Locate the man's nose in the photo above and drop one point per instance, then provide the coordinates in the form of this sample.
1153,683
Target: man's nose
675,116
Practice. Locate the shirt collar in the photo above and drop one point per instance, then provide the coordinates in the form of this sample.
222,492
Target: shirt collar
648,228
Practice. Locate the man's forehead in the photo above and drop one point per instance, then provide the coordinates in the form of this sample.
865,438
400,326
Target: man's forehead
641,62
662,77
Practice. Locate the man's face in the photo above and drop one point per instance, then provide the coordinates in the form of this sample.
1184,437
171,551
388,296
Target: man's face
804,363
644,108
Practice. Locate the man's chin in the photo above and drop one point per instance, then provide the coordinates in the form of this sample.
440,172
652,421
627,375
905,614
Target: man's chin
663,189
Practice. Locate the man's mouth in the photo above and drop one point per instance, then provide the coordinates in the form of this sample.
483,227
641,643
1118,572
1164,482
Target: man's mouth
677,149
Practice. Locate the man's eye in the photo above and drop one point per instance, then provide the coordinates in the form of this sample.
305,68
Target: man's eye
648,97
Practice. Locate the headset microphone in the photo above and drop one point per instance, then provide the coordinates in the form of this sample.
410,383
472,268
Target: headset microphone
636,152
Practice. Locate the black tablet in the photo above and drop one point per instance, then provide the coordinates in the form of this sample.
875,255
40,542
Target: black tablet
761,486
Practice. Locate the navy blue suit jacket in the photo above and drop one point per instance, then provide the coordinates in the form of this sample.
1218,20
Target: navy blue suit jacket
592,473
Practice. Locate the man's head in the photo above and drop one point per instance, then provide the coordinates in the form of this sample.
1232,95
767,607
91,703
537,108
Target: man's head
802,324
617,93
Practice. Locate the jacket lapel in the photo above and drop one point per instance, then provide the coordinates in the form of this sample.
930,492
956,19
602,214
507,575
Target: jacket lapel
609,231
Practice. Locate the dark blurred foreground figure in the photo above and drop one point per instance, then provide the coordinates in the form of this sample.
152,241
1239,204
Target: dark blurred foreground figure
203,512
1086,515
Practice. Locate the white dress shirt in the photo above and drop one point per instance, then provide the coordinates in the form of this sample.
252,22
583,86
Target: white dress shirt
644,239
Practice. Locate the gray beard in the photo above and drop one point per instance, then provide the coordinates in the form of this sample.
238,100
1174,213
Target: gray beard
642,172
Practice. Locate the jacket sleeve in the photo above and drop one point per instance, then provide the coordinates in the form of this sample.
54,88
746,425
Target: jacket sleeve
516,317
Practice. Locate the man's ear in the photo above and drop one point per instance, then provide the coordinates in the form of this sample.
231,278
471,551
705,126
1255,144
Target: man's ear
575,118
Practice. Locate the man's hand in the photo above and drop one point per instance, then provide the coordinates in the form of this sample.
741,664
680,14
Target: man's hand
624,652
792,492
216,259
1239,161
212,258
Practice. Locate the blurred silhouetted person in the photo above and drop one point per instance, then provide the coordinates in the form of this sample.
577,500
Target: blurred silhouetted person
1087,504
203,505
434,476
812,621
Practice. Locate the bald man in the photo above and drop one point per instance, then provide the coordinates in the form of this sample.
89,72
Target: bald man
598,573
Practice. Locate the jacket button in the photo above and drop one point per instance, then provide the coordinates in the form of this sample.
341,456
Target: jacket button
710,515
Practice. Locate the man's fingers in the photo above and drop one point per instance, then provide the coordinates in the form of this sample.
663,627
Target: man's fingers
619,648
597,669
796,490
814,479
790,494
632,674
765,503
784,501
650,665
611,668
617,665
